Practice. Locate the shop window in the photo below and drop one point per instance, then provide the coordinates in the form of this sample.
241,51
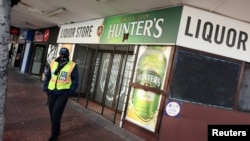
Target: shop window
204,79
244,96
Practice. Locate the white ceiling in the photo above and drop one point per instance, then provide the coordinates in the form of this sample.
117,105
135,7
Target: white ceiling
32,14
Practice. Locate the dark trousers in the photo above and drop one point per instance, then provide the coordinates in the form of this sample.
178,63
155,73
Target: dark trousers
56,105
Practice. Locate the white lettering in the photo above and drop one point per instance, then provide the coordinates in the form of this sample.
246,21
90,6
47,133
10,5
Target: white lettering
139,28
216,132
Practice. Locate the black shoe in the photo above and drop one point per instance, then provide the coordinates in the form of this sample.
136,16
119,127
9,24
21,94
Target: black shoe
52,138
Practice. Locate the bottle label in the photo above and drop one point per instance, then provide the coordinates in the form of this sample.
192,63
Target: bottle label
145,102
149,78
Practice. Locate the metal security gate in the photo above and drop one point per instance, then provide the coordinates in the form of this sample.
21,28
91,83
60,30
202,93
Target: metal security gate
104,78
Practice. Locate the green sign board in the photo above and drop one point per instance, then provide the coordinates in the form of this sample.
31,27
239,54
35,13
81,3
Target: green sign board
153,27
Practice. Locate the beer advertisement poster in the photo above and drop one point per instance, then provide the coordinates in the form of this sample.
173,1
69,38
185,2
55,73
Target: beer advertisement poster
143,107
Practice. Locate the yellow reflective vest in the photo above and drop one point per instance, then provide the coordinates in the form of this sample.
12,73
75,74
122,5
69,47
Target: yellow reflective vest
62,80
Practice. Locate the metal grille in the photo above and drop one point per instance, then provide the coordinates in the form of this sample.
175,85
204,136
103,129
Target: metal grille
105,73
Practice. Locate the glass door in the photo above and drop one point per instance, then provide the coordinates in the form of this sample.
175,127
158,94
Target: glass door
38,59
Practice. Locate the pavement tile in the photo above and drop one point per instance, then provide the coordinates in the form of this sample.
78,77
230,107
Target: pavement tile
27,118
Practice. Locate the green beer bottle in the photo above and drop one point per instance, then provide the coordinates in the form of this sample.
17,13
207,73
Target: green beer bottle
150,72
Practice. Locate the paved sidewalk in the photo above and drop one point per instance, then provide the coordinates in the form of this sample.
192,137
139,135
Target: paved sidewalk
27,117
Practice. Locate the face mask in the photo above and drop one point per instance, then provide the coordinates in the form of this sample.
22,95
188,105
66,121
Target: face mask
63,58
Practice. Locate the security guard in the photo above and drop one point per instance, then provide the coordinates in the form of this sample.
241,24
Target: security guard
61,80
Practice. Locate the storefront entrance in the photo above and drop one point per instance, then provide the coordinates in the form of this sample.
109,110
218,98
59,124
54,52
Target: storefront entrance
104,77
37,59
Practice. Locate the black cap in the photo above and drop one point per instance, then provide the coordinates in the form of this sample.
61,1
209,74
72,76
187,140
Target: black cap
64,51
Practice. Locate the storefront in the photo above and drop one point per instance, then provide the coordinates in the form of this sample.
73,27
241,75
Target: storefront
27,37
208,86
155,73
106,51
13,46
44,42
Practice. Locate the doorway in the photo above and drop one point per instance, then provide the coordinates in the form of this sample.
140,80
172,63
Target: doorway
37,60
104,78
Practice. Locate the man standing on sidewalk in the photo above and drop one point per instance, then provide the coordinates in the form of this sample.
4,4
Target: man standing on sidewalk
61,80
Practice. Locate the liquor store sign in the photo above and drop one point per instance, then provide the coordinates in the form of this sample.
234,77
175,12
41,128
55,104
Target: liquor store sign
153,27
83,32
212,33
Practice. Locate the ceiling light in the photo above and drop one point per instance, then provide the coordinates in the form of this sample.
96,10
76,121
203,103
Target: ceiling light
28,25
53,13
31,8
100,0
